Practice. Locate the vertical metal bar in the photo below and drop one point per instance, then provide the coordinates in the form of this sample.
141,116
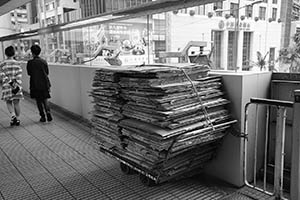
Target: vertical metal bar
295,174
148,37
279,151
266,147
245,143
3,50
236,38
255,145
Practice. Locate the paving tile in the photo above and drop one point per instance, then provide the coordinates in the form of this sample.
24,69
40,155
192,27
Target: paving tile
59,160
17,190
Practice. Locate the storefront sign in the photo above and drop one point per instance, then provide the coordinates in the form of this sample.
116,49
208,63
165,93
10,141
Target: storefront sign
230,25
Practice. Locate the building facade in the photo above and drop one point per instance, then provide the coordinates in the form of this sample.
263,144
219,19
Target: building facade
91,8
259,30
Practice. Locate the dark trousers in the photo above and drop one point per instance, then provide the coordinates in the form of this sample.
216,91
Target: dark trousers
42,105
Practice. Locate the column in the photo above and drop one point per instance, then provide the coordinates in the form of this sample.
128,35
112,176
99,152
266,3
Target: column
295,174
224,50
240,50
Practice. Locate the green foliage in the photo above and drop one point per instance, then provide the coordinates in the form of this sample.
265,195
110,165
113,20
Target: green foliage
260,62
291,55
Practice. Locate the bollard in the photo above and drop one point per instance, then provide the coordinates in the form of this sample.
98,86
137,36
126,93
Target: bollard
295,174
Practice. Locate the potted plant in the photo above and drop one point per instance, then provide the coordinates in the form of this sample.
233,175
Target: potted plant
271,19
210,14
175,12
242,17
256,19
290,56
279,20
192,12
227,16
260,62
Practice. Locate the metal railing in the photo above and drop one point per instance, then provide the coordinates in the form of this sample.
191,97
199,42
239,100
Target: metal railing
281,109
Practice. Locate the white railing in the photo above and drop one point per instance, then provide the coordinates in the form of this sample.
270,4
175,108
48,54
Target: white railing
281,109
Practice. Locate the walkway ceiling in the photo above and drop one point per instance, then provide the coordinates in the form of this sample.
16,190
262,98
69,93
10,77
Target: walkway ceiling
8,5
153,7
159,6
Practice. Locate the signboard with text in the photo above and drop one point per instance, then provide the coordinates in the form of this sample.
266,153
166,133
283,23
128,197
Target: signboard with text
230,25
129,40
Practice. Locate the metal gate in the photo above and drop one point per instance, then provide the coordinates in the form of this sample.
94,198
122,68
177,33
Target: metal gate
260,163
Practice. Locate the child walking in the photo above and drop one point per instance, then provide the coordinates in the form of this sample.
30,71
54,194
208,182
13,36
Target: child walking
37,69
11,75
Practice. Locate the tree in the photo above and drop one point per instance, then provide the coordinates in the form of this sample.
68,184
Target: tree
291,55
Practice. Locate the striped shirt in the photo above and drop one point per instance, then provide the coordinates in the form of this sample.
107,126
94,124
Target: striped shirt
11,70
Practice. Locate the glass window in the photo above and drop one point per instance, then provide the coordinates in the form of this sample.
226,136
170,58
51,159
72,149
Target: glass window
249,11
246,50
230,56
262,13
183,11
217,47
274,13
271,58
59,19
234,9
274,2
218,6
200,10
265,1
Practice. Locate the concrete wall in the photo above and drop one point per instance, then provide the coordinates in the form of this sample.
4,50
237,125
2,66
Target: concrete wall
240,87
70,87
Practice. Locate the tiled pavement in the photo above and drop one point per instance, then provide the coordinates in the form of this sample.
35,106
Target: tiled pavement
59,160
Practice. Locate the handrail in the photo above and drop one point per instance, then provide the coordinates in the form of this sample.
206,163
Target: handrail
272,102
279,146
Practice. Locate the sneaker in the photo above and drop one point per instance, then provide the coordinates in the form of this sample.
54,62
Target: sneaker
12,121
49,117
43,119
17,122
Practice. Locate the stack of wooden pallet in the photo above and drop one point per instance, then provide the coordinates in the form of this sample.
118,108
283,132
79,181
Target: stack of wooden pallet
171,117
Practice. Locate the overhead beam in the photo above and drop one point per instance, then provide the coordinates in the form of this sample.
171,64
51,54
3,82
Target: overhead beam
154,7
160,6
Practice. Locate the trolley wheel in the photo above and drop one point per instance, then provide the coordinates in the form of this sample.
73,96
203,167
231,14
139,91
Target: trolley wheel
147,181
126,169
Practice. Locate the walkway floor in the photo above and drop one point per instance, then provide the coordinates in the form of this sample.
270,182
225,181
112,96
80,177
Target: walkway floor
59,160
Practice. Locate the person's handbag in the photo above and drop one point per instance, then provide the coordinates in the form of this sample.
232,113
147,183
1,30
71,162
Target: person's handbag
15,88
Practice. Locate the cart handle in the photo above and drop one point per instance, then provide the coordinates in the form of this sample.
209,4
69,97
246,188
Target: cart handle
272,102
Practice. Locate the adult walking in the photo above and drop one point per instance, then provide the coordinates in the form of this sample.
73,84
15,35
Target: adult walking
11,76
37,69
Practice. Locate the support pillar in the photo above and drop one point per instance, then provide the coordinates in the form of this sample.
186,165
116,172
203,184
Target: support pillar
295,174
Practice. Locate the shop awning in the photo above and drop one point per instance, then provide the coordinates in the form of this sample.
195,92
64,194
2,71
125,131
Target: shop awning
8,5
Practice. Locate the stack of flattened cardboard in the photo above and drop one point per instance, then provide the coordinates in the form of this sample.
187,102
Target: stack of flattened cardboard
107,108
173,117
